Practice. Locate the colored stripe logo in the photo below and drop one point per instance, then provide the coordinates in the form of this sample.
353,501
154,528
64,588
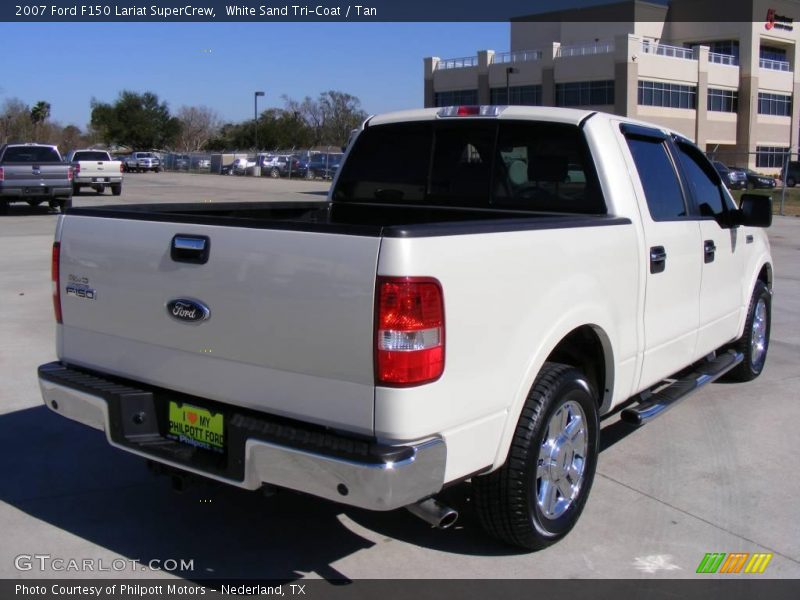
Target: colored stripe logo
734,563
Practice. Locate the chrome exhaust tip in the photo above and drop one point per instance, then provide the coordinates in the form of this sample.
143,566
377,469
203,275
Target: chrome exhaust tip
433,512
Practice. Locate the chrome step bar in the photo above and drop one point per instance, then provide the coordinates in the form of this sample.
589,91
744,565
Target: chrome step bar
652,404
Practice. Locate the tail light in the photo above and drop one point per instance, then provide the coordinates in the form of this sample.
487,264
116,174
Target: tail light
70,173
56,277
2,174
409,331
76,169
121,168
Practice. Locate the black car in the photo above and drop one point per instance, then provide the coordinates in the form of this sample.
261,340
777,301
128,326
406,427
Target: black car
321,165
791,174
755,180
733,178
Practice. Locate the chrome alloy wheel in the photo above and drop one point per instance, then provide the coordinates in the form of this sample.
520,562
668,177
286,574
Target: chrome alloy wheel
758,335
562,459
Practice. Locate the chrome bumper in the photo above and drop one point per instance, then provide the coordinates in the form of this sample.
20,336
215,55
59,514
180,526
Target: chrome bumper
375,486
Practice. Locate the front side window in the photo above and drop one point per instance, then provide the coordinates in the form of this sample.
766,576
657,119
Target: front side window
662,188
702,179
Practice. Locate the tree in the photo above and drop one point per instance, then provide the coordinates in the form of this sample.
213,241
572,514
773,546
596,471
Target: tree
135,120
198,125
15,121
341,114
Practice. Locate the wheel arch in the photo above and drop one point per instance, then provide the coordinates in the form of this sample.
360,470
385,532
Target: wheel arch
586,347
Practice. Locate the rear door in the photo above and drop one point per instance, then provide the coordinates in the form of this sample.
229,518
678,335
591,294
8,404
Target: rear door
673,257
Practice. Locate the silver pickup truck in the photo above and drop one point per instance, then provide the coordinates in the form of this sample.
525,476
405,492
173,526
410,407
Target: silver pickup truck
34,173
142,161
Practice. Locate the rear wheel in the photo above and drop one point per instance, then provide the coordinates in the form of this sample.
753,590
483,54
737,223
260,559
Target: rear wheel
754,342
116,189
790,182
64,204
536,497
3,207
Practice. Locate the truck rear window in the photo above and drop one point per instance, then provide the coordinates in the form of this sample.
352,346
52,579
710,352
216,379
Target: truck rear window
90,156
28,154
524,165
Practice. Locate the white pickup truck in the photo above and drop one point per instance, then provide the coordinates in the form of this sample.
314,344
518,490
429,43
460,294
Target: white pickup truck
482,285
95,169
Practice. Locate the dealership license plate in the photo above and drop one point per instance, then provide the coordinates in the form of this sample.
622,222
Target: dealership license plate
196,426
100,179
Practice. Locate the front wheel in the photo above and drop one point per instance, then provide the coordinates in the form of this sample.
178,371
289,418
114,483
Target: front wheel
274,173
536,497
754,342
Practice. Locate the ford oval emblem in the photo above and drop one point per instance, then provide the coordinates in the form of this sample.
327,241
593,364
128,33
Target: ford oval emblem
188,311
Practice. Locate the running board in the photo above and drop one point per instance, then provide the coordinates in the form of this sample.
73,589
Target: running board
653,404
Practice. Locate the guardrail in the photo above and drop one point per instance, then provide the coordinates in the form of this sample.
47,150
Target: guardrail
774,65
519,56
668,51
457,63
723,59
585,49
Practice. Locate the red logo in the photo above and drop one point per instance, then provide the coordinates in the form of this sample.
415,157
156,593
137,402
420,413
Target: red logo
770,19
192,417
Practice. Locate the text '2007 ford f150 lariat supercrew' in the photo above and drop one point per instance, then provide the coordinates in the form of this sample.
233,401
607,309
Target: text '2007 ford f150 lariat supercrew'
481,285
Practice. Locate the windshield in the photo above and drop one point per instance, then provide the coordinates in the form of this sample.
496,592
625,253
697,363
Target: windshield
523,165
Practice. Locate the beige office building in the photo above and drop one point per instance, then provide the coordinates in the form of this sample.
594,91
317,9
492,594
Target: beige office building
727,84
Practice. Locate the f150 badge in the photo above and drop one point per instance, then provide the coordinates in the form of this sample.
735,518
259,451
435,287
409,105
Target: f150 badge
188,311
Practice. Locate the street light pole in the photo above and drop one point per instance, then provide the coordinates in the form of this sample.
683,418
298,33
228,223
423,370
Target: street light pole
509,71
255,115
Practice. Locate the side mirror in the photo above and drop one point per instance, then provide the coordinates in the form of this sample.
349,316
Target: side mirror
755,211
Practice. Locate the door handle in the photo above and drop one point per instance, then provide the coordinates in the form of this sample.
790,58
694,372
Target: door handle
709,248
192,249
658,259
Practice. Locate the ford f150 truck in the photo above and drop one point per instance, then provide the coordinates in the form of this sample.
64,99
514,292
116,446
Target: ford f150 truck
142,161
34,173
481,285
95,169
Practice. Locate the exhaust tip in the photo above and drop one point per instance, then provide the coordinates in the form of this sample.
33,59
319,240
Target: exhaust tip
434,513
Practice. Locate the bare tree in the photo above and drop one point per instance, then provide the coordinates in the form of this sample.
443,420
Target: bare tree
198,125
15,121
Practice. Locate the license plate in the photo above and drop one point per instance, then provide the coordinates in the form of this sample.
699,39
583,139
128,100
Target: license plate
100,179
196,426
35,191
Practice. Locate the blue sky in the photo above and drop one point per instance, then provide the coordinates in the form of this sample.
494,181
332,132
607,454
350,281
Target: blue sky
220,65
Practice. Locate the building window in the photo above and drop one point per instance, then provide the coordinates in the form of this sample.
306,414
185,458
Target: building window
523,95
771,156
729,47
456,98
723,100
772,53
669,95
585,93
774,104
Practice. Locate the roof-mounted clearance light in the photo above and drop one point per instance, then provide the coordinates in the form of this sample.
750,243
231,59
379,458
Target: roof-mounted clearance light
471,111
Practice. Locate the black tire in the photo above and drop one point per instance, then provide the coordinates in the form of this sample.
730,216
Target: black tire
507,500
274,173
3,207
64,204
754,342
116,189
790,182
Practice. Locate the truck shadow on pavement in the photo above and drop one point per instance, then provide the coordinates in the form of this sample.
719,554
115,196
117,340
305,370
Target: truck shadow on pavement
67,476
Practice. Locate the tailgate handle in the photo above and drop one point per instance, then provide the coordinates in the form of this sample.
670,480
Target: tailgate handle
191,249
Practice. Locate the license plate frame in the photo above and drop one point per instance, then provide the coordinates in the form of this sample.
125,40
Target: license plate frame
196,426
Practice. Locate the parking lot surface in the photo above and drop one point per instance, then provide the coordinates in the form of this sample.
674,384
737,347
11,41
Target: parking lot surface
715,474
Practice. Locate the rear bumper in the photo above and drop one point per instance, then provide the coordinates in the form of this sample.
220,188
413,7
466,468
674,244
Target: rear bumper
261,449
21,193
113,179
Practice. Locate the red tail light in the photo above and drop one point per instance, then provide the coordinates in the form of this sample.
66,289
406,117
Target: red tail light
121,168
56,277
2,174
70,172
409,331
76,169
468,111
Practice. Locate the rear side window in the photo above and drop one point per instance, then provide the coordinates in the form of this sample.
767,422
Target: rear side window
31,154
662,189
520,165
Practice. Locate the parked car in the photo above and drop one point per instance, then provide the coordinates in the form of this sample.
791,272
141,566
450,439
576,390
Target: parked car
323,166
34,173
201,163
791,174
240,166
733,178
756,180
281,165
95,169
142,161
182,162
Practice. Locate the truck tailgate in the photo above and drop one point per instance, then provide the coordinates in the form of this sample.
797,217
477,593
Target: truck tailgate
290,322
